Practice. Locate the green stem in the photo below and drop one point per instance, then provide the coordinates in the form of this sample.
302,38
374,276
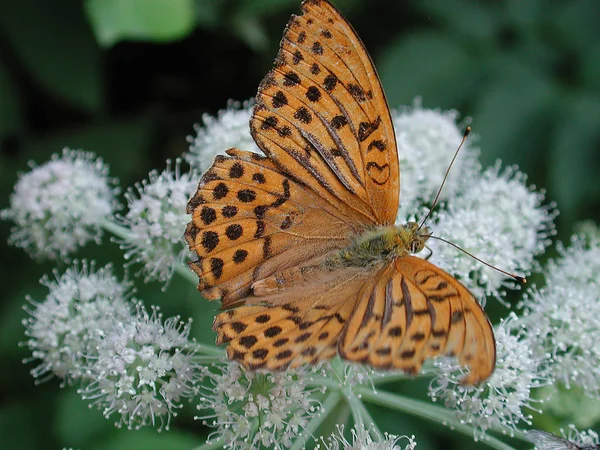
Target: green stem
318,381
355,406
209,350
351,399
329,405
372,426
425,410
123,233
390,378
211,445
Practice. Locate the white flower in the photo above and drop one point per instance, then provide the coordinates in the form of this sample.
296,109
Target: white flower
427,140
230,129
250,409
362,440
59,206
141,370
156,220
497,218
62,327
498,403
565,315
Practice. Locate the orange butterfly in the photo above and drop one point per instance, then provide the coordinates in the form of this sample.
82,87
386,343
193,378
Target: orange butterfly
301,246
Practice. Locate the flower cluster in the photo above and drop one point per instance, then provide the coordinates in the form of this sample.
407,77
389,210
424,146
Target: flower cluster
362,439
217,134
498,219
59,206
564,315
129,362
155,220
62,329
250,409
498,403
142,369
427,140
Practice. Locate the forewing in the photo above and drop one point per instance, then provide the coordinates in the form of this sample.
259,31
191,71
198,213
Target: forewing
322,116
249,220
417,311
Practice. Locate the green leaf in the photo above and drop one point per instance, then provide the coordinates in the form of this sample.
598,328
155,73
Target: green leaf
525,15
574,157
563,407
153,20
11,113
19,426
427,65
74,422
250,31
477,20
209,13
122,144
266,7
54,43
146,439
512,113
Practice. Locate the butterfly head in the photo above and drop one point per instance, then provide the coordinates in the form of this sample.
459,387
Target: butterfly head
413,238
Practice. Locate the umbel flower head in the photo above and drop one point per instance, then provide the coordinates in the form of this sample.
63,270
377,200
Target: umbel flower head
229,129
58,206
498,403
62,329
564,316
427,140
362,440
141,370
156,218
497,218
252,409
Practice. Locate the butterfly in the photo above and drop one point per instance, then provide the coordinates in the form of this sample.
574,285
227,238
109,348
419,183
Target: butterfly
299,244
548,441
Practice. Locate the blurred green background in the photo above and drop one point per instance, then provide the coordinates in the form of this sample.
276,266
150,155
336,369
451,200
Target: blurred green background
127,79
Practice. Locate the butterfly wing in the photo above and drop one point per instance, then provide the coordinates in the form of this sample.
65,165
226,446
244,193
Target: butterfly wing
548,441
298,326
249,220
321,115
332,170
417,311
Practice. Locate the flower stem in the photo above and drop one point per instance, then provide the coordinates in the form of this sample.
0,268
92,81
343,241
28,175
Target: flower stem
371,426
218,443
351,399
210,350
425,410
116,229
328,405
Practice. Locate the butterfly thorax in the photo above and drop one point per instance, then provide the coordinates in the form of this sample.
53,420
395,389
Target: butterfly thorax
381,244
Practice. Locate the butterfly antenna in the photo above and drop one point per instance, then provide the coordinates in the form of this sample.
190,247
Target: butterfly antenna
464,138
512,275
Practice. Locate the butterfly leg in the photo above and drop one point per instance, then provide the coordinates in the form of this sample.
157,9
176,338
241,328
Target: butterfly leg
430,253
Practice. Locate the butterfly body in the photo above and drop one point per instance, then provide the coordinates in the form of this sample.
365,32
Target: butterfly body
299,243
380,245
